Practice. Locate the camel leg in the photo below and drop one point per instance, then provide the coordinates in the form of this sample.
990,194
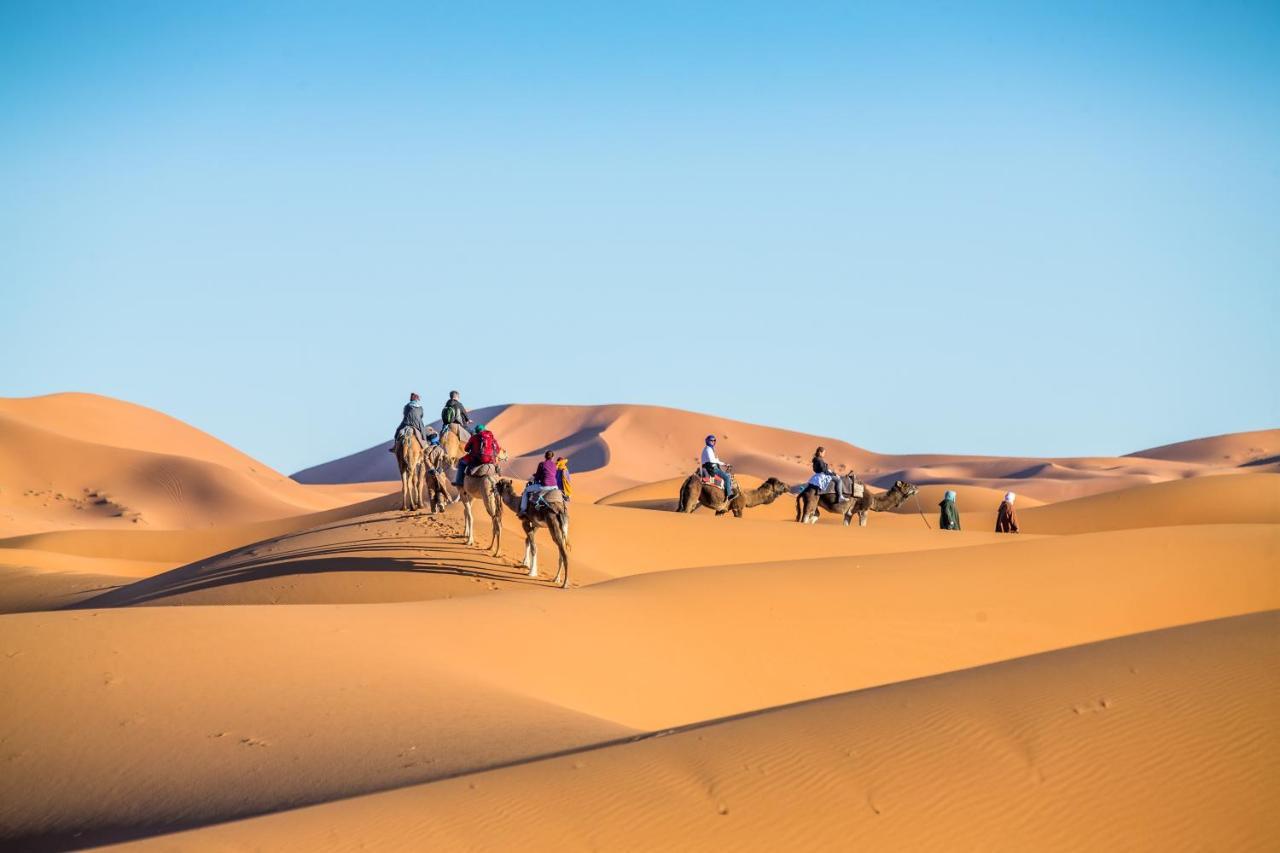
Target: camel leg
862,518
468,523
531,544
560,535
493,503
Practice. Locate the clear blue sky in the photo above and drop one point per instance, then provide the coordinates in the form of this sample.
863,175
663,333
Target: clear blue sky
1002,228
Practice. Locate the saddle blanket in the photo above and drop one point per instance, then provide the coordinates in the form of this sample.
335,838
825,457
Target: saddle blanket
716,481
551,497
488,469
826,485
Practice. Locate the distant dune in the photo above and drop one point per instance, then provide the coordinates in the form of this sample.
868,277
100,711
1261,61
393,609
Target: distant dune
79,460
1240,449
618,447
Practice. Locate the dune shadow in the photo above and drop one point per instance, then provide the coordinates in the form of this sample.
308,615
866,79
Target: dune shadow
440,556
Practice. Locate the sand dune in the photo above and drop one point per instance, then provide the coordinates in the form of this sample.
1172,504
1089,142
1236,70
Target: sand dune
77,460
1240,449
393,656
1161,741
98,695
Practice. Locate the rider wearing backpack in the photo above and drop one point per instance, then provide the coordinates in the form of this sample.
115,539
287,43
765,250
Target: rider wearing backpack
482,449
454,412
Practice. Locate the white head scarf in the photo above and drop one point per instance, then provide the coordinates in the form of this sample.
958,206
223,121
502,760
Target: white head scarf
1009,496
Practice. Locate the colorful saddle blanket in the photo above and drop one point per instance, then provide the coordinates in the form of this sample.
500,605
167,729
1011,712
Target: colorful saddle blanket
850,486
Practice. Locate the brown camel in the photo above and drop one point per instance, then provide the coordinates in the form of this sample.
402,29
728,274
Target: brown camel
409,456
438,494
694,493
554,516
483,486
453,441
809,501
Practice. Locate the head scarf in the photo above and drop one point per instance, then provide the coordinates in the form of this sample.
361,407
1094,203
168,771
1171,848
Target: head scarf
949,496
1009,496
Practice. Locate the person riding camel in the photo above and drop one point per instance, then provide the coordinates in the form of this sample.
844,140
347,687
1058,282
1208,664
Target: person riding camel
562,478
481,449
544,479
411,419
454,412
713,467
821,467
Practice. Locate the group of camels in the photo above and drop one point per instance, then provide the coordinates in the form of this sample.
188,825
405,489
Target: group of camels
694,492
424,484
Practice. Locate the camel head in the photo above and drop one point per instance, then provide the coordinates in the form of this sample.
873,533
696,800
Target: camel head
773,488
505,488
905,489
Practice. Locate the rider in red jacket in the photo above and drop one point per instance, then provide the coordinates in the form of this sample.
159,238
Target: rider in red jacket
481,448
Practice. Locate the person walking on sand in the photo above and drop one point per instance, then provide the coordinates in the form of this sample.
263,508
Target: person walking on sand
949,518
411,419
1006,520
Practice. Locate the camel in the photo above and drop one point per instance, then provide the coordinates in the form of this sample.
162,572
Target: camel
484,488
554,517
453,441
412,464
438,494
694,493
809,501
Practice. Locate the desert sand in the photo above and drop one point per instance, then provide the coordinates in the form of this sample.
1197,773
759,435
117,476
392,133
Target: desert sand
217,656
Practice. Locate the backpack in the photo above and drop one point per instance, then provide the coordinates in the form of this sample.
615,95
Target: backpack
488,453
448,414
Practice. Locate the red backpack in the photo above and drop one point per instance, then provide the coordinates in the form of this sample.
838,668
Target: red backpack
488,453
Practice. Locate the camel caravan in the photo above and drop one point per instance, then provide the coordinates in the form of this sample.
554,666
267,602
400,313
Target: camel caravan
425,458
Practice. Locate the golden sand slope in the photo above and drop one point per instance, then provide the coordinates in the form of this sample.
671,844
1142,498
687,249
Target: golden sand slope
78,460
116,714
59,568
1162,741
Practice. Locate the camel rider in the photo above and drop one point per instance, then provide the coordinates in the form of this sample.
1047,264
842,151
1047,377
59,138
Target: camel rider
543,480
822,466
713,467
412,419
562,478
481,449
454,412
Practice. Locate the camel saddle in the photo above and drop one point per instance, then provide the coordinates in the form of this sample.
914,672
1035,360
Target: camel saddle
552,499
715,481
850,486
484,471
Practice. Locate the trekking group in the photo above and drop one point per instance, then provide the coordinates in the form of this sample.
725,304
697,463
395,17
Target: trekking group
481,455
